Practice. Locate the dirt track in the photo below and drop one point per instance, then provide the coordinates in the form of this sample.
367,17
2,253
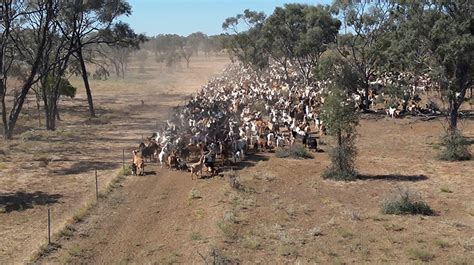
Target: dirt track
143,221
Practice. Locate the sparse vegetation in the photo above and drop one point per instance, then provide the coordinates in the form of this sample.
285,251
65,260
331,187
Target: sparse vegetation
346,234
127,171
194,194
420,254
196,236
445,190
67,231
229,230
234,180
353,215
251,242
393,227
82,212
218,257
455,147
406,202
230,217
296,151
441,243
316,231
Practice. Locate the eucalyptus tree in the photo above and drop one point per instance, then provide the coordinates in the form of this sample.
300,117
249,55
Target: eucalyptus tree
340,115
83,22
245,39
26,32
437,37
298,34
197,41
363,40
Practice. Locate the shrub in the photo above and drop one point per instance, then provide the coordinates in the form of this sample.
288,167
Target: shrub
406,202
294,151
251,242
446,190
194,194
420,254
196,236
455,147
342,161
217,257
229,230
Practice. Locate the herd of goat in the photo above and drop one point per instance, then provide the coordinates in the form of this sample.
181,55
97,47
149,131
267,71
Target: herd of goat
238,111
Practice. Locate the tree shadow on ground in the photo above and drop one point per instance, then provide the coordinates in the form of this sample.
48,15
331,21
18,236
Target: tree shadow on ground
393,177
21,201
469,141
86,166
250,161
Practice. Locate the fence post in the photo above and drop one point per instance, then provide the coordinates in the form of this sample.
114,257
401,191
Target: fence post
96,186
49,226
123,159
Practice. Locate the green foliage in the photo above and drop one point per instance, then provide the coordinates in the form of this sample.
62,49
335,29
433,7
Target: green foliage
445,190
247,46
406,202
299,34
338,114
297,151
455,147
64,87
332,66
436,37
363,48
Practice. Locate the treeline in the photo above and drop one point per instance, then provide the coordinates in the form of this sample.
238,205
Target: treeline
43,42
350,43
171,49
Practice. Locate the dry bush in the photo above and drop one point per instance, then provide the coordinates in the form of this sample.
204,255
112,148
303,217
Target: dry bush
234,181
297,151
194,194
217,257
455,147
405,202
420,254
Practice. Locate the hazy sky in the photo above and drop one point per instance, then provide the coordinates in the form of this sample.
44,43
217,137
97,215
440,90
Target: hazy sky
187,16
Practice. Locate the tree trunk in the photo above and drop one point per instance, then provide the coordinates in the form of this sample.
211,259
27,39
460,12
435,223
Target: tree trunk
38,108
453,117
57,113
365,99
9,124
85,78
4,110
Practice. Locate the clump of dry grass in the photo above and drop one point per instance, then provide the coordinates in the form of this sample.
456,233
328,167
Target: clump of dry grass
420,254
315,231
297,151
456,147
81,214
194,194
405,202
